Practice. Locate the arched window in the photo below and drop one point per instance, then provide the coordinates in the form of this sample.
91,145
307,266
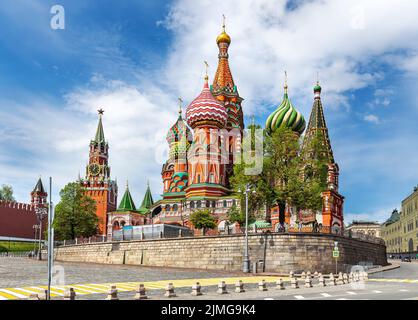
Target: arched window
122,223
213,204
199,204
167,207
207,203
175,207
225,204
234,202
192,205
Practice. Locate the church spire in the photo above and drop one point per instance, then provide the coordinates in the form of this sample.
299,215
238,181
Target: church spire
148,201
223,80
127,203
100,138
317,124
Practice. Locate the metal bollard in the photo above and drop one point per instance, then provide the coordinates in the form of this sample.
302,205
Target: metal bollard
43,295
351,277
169,291
196,289
366,276
112,294
141,293
332,281
294,283
262,286
321,280
239,287
69,294
280,284
345,278
308,274
222,288
308,282
303,276
340,278
316,274
291,274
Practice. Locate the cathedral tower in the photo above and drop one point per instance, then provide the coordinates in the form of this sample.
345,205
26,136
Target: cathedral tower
207,116
225,90
332,211
97,183
39,197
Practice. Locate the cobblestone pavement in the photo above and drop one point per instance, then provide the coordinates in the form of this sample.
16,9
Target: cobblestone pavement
20,272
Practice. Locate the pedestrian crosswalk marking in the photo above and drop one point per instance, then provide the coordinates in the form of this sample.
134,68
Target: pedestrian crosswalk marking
299,297
326,295
377,291
404,290
100,288
351,292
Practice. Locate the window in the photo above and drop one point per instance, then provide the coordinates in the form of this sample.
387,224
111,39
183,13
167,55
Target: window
175,207
167,207
213,204
225,204
192,205
199,204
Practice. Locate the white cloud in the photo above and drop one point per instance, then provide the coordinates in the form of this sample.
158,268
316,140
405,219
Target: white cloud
372,118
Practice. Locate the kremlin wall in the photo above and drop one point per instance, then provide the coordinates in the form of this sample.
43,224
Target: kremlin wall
283,252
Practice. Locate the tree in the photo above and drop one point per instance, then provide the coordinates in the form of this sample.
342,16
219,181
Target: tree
75,214
203,219
6,193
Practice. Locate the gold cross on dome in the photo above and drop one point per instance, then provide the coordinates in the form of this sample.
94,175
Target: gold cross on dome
180,104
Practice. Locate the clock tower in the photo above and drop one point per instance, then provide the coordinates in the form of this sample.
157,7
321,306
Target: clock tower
97,183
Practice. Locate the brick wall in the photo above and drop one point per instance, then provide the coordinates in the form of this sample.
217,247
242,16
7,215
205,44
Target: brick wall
284,252
17,220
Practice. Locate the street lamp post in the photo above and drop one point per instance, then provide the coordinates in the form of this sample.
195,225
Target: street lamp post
41,212
246,263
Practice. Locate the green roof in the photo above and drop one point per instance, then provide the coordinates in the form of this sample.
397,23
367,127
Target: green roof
148,201
100,138
127,203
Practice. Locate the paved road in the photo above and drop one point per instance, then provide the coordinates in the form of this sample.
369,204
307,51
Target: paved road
18,272
19,277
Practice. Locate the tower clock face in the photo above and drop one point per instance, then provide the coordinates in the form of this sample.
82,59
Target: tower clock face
94,169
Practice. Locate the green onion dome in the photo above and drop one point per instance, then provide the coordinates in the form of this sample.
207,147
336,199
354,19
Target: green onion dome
286,116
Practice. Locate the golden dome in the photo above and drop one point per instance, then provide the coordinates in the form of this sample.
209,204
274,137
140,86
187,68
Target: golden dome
223,37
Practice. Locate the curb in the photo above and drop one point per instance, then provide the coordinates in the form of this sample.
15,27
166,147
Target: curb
391,266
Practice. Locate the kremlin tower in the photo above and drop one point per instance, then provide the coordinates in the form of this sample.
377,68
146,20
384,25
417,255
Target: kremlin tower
97,183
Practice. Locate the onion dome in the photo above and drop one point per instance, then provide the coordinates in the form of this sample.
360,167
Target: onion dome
179,131
206,110
286,116
223,37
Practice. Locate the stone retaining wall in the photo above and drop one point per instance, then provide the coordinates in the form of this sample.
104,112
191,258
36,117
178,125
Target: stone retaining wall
281,252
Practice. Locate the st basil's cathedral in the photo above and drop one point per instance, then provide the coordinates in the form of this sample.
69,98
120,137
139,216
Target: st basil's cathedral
198,170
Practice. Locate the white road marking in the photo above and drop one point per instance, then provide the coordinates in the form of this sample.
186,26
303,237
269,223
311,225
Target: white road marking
351,292
342,299
299,297
17,295
28,291
268,299
3,298
377,291
326,295
404,290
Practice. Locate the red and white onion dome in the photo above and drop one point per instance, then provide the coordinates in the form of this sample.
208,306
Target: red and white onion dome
206,110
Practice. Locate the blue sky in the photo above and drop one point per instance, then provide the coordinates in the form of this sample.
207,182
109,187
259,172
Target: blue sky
134,58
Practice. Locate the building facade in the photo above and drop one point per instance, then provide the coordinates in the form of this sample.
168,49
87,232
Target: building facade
369,228
392,233
409,222
19,220
97,183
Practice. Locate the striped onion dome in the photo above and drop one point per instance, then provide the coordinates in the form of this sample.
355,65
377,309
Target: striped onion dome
206,110
179,131
286,116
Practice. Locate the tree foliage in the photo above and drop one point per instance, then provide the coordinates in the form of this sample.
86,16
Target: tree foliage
75,215
6,193
290,175
203,219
